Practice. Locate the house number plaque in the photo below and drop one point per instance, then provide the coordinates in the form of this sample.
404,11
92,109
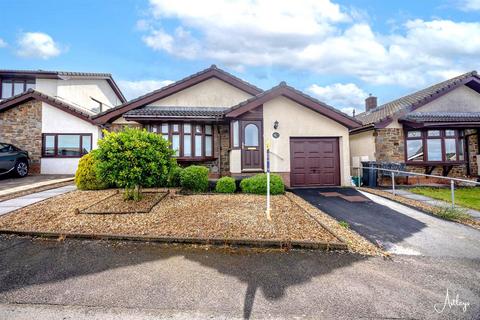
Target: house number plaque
275,135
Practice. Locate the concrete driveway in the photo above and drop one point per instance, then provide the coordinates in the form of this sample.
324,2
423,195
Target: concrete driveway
399,229
114,280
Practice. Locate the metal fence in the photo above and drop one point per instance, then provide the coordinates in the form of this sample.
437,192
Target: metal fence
400,173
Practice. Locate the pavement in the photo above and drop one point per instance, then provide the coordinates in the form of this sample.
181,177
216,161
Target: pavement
433,202
397,228
81,279
7,182
8,206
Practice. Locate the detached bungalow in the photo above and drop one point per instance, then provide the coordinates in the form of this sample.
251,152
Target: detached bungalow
216,119
433,131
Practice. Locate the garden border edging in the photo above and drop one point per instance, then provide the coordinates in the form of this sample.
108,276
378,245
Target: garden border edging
260,243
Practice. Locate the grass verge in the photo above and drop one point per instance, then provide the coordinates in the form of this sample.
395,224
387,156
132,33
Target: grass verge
442,212
465,197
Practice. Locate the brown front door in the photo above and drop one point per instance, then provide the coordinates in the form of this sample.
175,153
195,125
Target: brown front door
251,133
314,162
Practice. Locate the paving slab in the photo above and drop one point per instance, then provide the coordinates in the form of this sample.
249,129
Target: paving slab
23,201
20,202
417,197
4,210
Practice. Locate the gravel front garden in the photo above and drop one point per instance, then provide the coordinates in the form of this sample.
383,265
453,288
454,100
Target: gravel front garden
237,216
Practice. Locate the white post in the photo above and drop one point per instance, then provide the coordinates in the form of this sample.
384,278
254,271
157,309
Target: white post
393,183
452,188
268,182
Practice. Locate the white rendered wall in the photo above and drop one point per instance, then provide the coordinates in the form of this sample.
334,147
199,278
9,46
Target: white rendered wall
235,161
80,91
298,121
209,93
55,120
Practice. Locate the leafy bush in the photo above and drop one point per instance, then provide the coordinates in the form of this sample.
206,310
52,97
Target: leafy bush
258,184
226,185
134,158
174,176
86,176
194,178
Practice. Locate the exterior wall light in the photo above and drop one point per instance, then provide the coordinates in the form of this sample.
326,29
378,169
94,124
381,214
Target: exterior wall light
275,125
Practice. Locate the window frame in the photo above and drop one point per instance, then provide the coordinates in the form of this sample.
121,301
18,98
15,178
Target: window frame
55,148
232,135
100,104
459,135
193,133
12,82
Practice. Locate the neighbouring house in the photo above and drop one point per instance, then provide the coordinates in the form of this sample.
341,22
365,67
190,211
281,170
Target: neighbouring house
49,114
215,119
433,131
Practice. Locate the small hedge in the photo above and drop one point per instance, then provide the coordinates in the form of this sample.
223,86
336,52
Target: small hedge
174,177
194,178
86,176
226,185
258,184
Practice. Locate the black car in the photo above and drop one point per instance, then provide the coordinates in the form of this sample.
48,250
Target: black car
13,160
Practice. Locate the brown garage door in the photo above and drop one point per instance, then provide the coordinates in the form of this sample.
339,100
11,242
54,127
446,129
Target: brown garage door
314,162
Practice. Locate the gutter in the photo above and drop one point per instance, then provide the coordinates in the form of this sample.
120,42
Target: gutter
364,128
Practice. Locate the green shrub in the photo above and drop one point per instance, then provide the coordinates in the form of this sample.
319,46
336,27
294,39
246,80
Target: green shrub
344,224
455,213
226,185
86,176
134,158
194,178
174,176
258,184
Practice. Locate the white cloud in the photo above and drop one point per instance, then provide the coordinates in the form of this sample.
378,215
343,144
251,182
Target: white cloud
37,45
469,5
318,36
3,44
134,89
346,97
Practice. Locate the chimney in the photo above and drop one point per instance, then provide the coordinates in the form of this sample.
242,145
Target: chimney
370,103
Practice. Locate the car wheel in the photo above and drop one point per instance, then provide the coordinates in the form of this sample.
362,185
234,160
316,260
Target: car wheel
21,168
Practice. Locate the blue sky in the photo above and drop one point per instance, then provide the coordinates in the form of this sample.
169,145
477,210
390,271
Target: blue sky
338,51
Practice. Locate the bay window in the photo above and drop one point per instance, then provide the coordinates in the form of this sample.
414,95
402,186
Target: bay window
189,140
66,145
435,146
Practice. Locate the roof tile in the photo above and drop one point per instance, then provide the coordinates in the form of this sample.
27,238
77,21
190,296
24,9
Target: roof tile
388,109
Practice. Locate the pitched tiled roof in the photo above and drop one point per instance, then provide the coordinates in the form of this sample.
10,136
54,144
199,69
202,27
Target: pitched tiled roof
388,109
32,94
213,71
65,75
283,87
442,116
58,73
176,112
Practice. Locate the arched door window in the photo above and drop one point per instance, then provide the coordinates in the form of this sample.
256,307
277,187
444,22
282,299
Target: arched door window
251,135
